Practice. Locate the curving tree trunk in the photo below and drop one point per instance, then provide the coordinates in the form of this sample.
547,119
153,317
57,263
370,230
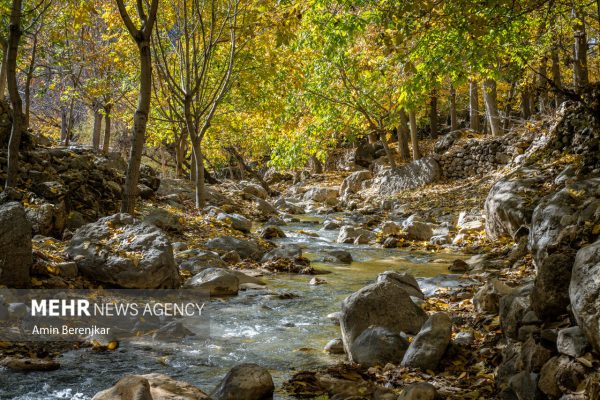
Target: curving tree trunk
14,36
3,68
580,69
140,120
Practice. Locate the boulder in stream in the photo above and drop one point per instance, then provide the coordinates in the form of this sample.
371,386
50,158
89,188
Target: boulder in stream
429,346
151,387
245,248
377,345
245,382
123,251
382,304
218,281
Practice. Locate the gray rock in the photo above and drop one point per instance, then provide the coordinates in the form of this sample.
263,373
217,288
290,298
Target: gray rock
245,248
151,387
286,251
330,225
236,221
417,230
67,269
555,231
218,281
321,195
349,234
419,391
487,299
524,385
571,342
381,304
584,292
415,174
195,260
335,346
288,207
173,331
120,250
377,345
403,279
164,219
338,256
15,246
354,182
47,219
389,228
271,232
464,338
264,207
509,204
245,382
513,307
254,189
428,347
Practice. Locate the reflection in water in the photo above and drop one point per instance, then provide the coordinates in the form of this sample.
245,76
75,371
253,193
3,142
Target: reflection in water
256,326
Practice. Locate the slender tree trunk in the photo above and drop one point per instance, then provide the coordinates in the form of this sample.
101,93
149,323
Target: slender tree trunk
199,175
63,124
525,103
3,69
388,152
509,104
70,122
139,129
179,155
107,128
542,85
14,36
453,116
29,78
556,77
580,70
474,105
491,105
413,135
403,137
433,114
97,128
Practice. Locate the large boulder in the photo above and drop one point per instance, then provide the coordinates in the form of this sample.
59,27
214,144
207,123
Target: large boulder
416,229
382,304
509,204
245,382
354,182
416,174
290,251
195,260
216,281
165,220
151,387
15,246
245,248
254,189
123,251
403,279
377,345
47,219
428,347
321,195
561,223
584,292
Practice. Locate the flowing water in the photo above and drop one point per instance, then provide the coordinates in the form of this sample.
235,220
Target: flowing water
257,326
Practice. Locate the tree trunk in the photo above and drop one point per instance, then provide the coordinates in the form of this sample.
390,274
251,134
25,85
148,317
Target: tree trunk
413,135
63,124
556,77
317,166
509,104
525,103
433,114
3,69
97,129
179,155
542,85
474,105
140,121
28,79
14,35
70,122
580,70
453,116
388,152
403,135
199,175
372,138
491,105
107,127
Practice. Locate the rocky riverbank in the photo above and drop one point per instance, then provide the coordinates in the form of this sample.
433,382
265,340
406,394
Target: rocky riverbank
522,223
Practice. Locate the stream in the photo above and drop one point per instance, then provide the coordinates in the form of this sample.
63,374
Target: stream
283,335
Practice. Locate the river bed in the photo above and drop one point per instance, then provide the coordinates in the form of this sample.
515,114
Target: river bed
283,335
